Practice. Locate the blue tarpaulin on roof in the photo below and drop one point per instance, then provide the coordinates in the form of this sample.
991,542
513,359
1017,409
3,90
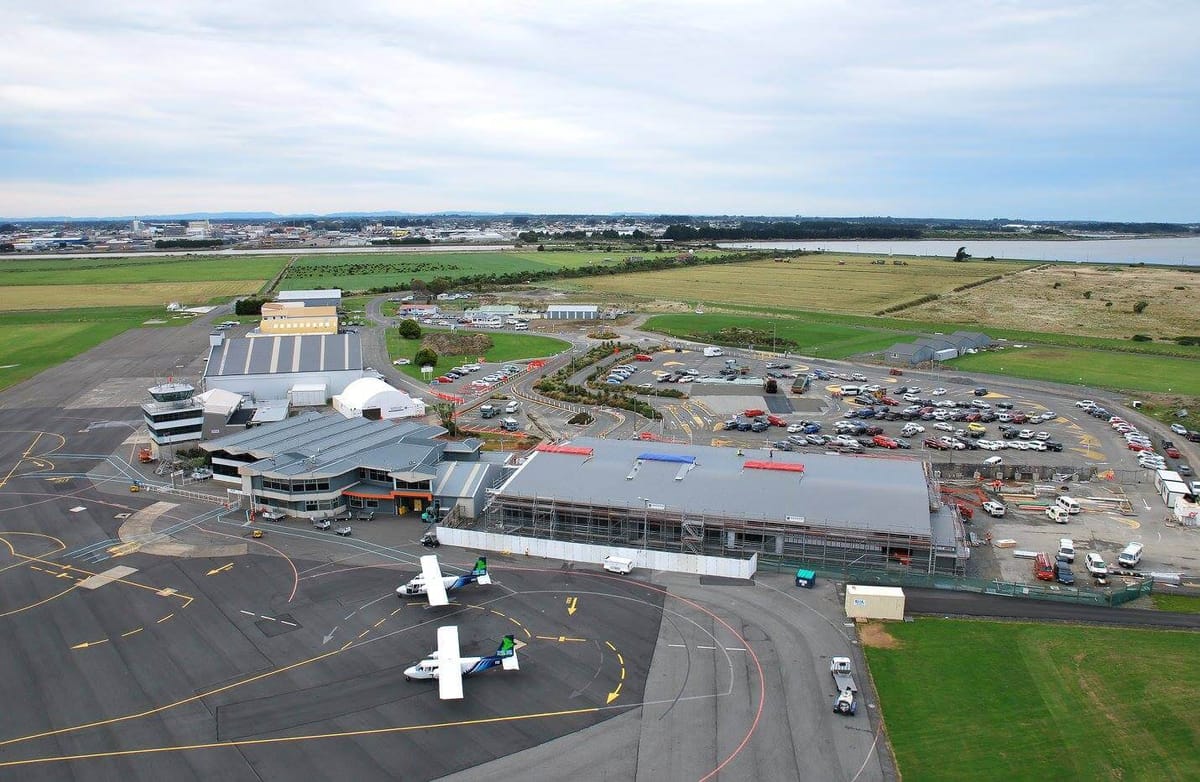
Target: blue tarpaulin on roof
667,457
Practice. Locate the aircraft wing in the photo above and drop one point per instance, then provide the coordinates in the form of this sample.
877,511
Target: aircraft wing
435,590
449,664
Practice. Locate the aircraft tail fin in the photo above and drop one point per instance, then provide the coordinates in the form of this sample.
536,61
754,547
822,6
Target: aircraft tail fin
508,654
481,572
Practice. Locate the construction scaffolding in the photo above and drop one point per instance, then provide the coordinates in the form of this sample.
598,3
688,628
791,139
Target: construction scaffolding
654,526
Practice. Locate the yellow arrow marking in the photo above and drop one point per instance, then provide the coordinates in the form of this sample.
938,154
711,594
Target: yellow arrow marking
86,644
222,569
612,696
123,549
571,603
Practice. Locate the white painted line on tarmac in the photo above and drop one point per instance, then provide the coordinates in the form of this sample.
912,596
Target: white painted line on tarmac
249,613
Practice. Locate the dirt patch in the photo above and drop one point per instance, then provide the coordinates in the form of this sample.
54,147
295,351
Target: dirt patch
877,636
457,344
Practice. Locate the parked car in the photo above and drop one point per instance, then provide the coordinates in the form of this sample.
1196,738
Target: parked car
981,391
1179,429
343,531
1172,452
1095,564
322,523
993,508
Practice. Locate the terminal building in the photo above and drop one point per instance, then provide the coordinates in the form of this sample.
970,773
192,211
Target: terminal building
315,465
293,317
817,510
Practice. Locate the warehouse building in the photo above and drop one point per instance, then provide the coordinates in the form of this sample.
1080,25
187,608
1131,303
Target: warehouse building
292,317
315,465
315,298
267,367
572,312
908,354
819,510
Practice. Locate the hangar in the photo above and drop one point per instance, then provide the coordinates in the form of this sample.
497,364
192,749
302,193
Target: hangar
825,510
370,397
315,465
268,367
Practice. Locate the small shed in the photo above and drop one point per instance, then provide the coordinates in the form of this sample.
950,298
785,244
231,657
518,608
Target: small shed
308,395
874,602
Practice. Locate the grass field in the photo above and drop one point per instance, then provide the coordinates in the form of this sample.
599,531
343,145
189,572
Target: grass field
1184,604
137,270
814,336
837,283
505,347
1003,701
1102,369
377,270
1081,302
33,341
66,297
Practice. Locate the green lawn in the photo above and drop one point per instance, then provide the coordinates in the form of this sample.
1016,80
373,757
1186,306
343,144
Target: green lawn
505,347
1184,604
1004,701
1099,368
33,341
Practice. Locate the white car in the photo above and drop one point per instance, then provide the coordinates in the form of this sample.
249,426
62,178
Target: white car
1095,564
1042,436
1049,415
795,428
1036,445
911,398
914,389
993,508
1025,434
938,392
402,362
480,384
1086,404
943,426
908,430
1179,429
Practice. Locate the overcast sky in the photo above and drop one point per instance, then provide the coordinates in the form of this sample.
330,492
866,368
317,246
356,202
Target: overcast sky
1045,109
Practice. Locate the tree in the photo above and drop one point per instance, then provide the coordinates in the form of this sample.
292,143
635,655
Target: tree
445,411
1140,307
541,248
1087,294
409,329
440,285
426,357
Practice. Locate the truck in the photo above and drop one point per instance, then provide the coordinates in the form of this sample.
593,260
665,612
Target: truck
712,351
843,674
488,411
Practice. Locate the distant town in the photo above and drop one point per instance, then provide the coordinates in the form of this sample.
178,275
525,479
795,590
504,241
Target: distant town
350,232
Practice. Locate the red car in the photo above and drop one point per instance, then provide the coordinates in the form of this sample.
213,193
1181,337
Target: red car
444,379
753,412
1139,447
775,420
643,357
1173,452
887,400
935,444
885,442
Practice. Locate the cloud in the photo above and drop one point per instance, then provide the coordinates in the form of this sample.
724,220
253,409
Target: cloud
957,108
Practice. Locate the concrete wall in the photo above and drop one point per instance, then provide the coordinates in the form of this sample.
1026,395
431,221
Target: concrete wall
585,552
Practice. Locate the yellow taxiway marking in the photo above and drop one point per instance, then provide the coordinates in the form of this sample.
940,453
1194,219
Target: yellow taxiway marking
562,639
227,566
612,696
572,603
134,631
86,644
307,737
165,618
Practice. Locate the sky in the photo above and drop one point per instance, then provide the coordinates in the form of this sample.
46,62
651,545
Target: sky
908,108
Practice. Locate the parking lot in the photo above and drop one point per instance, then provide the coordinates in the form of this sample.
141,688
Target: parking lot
940,417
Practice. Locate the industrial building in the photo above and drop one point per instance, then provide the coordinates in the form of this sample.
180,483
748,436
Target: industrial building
267,367
331,297
315,465
293,317
820,510
572,312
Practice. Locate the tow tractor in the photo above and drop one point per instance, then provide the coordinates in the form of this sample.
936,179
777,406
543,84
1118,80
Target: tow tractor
843,676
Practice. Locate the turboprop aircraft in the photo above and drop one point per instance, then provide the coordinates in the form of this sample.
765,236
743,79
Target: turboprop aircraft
449,668
435,586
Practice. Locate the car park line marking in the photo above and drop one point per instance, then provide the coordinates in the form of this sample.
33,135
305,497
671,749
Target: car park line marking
248,613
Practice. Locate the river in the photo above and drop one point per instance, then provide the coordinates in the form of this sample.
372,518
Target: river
1184,251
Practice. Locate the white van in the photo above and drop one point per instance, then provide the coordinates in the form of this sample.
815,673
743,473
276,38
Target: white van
994,461
618,564
511,408
510,425
711,351
1130,555
851,390
1069,504
1066,550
